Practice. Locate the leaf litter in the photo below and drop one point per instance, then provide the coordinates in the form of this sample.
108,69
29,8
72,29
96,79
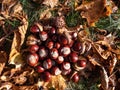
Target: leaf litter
15,74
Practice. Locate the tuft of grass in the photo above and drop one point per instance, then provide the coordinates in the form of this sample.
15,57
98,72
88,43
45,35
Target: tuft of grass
111,24
32,10
83,84
13,23
72,19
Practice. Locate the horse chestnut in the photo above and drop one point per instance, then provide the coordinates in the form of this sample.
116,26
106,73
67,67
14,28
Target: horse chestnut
73,57
54,53
75,77
49,44
42,53
46,76
43,36
65,51
65,66
40,69
60,59
81,63
63,40
56,71
77,46
34,29
33,48
47,64
32,59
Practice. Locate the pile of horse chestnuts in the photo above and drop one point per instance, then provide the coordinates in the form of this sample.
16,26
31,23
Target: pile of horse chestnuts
52,53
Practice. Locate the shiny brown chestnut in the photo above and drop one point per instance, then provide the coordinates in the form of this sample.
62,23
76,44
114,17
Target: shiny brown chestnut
46,76
62,39
42,52
34,29
77,46
40,69
56,71
47,64
49,44
60,59
57,45
81,63
65,66
75,77
43,36
65,50
73,57
32,59
33,48
52,31
74,35
54,53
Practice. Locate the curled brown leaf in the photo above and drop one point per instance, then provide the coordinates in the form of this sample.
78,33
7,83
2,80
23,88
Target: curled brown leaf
113,63
104,79
102,48
19,36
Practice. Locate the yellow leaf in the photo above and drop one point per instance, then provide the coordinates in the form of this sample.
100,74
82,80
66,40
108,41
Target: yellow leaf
19,36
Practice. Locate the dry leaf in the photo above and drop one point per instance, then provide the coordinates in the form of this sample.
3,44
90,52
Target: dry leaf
10,8
102,48
20,80
57,82
13,9
94,10
104,79
109,39
46,14
112,82
3,60
33,87
113,63
94,60
51,3
6,86
19,36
